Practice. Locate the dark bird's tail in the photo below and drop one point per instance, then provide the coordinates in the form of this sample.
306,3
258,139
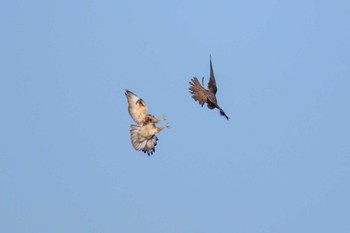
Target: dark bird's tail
222,113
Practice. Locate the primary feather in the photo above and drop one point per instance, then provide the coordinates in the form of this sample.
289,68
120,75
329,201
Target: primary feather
137,107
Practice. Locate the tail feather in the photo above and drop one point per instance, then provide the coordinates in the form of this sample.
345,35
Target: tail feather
222,113
141,143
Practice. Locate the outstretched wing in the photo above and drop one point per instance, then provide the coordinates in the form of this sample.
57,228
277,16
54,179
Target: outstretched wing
137,107
141,141
199,93
212,83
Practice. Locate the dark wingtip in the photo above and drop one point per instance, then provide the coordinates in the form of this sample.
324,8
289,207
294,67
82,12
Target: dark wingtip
211,68
128,92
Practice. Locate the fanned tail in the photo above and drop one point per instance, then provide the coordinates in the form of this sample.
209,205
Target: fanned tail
145,144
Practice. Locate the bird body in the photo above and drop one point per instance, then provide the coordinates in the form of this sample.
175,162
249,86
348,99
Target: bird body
202,95
143,136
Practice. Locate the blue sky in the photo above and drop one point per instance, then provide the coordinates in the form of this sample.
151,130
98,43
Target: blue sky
281,164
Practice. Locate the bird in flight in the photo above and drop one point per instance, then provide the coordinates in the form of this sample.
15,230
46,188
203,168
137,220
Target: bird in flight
143,135
202,95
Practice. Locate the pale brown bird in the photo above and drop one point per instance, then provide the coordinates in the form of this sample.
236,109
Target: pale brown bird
202,95
143,136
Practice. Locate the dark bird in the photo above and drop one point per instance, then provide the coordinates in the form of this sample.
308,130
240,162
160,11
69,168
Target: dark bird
202,95
143,135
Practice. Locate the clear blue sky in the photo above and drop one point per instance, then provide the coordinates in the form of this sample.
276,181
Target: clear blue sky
281,164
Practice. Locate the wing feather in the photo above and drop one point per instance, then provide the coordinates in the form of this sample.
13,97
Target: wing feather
199,93
212,83
137,107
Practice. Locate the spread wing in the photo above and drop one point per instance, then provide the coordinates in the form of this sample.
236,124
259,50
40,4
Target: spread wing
137,107
199,93
142,139
212,83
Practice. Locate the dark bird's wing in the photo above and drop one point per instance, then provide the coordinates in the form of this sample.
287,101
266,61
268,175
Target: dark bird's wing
212,83
199,93
213,89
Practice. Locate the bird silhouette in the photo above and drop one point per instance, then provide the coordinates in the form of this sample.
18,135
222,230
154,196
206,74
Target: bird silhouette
143,135
202,95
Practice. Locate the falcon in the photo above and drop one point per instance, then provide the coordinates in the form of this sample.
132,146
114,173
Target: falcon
143,135
202,95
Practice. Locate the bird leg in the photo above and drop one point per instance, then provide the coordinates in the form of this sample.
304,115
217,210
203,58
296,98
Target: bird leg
163,127
153,119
